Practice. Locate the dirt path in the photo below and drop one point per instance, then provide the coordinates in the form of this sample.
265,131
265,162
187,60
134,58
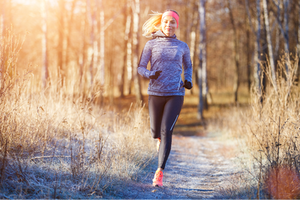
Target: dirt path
198,167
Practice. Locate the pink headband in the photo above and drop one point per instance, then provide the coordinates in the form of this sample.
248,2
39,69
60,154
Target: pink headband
173,14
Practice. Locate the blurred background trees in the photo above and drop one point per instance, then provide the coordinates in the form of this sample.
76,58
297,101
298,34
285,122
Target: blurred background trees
97,43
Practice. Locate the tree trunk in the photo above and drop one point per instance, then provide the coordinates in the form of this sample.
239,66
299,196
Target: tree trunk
92,44
202,75
2,32
298,42
2,17
5,16
277,39
136,41
69,37
127,22
111,82
257,52
248,54
257,49
194,35
269,43
100,69
129,55
188,26
286,25
257,32
61,35
236,55
45,71
84,45
102,46
192,50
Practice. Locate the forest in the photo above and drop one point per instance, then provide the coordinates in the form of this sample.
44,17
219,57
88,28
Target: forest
98,43
68,79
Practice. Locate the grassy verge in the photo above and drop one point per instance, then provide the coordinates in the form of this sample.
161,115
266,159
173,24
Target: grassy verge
268,135
57,145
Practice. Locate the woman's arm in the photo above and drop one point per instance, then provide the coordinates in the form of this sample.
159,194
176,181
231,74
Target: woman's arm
187,64
144,59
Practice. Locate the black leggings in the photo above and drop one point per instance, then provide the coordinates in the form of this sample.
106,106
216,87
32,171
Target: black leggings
164,112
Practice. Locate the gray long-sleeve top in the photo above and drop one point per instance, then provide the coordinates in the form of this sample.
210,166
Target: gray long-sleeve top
166,54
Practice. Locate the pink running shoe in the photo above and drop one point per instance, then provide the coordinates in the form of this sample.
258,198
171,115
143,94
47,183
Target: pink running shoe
158,177
158,144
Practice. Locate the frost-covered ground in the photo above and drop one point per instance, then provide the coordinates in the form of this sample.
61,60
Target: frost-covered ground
198,167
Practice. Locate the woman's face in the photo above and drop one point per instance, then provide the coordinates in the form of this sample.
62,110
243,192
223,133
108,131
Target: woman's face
169,25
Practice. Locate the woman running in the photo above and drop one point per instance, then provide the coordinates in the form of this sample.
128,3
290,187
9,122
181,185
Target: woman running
166,89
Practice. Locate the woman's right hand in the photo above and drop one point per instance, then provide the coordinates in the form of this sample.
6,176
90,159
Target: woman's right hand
156,75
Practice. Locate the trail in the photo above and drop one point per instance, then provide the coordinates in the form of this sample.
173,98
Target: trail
198,167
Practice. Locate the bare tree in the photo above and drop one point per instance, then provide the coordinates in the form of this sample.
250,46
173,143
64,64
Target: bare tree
136,41
129,55
188,17
248,52
61,37
101,60
284,27
298,43
2,31
69,34
98,41
92,44
45,70
111,81
277,35
202,74
194,39
82,58
127,22
298,40
2,17
94,41
257,49
236,55
269,41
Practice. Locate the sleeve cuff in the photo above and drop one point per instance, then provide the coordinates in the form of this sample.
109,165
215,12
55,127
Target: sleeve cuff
149,73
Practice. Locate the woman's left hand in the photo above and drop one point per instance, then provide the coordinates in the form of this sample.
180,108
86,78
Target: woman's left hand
187,85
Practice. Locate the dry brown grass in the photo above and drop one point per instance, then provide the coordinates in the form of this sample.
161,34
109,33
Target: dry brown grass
268,132
57,145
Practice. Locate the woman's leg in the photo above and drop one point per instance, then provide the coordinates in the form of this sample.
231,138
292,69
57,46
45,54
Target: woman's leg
156,108
170,115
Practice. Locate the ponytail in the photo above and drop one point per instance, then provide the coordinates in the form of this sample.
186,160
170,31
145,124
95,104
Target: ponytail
153,24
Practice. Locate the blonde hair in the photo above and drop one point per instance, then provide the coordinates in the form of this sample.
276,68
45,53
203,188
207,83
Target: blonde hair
153,24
